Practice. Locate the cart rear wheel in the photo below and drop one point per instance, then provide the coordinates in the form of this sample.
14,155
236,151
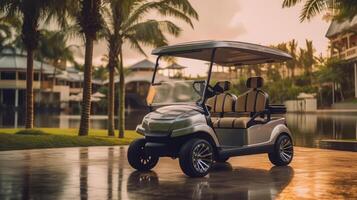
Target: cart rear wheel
138,158
283,151
196,157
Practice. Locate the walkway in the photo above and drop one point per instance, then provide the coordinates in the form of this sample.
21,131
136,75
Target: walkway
103,173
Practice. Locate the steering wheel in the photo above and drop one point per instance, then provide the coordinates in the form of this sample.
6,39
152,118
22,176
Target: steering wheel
198,87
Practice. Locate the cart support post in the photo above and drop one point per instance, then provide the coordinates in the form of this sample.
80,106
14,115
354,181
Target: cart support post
155,70
208,78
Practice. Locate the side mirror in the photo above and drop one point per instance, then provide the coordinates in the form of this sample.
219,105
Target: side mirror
151,95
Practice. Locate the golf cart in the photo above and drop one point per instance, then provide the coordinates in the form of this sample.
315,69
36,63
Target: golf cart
201,123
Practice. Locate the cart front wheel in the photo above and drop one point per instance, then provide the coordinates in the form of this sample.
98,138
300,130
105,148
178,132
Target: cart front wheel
138,158
283,151
196,157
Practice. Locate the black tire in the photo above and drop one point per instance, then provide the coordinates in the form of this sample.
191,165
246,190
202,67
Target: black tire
138,158
196,157
283,151
222,159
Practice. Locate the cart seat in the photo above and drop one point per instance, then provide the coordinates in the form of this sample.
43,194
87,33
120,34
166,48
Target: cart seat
222,102
236,122
251,102
254,100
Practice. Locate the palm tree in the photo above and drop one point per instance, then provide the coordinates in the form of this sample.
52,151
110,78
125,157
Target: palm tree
292,50
90,22
53,49
31,13
282,67
126,24
307,58
8,26
346,9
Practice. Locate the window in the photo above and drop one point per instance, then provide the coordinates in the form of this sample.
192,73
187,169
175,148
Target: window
22,75
8,76
36,77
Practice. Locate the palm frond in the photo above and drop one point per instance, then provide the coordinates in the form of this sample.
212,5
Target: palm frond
347,9
134,44
290,3
183,5
138,13
149,33
166,10
312,8
180,9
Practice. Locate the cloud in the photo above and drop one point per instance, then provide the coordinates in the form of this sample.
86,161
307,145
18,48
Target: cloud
257,21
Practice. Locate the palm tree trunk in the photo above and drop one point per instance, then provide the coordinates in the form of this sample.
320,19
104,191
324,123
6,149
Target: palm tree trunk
87,88
121,96
29,90
111,95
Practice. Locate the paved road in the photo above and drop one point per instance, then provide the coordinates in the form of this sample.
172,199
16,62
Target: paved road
103,173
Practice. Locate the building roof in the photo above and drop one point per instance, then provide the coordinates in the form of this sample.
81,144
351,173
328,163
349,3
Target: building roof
18,61
144,64
175,66
143,76
227,52
337,27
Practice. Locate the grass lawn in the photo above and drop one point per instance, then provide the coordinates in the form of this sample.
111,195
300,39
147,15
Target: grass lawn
12,139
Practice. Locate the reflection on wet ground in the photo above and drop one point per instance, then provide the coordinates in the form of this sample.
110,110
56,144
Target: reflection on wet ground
103,173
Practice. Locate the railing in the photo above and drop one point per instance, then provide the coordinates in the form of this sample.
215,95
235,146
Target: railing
46,84
347,54
75,90
17,84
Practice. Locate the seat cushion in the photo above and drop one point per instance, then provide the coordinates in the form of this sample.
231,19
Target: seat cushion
214,121
221,103
233,122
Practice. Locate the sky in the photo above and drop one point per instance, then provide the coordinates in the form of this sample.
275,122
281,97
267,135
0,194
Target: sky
262,22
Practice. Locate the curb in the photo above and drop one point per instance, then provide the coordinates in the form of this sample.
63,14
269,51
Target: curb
343,145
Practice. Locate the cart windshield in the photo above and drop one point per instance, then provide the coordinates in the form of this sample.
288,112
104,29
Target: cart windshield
181,81
176,92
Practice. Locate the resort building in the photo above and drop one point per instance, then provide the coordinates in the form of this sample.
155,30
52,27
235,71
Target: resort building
137,82
13,80
343,39
175,71
53,87
61,89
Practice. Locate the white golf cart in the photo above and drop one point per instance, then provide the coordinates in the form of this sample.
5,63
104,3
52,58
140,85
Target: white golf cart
202,123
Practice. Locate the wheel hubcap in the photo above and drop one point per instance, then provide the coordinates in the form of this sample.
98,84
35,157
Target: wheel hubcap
202,157
144,159
286,149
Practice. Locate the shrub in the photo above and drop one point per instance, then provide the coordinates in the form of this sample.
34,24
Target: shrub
31,132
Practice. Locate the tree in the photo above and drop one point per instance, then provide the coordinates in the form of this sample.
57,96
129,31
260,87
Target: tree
337,72
90,21
345,9
293,63
126,23
8,26
307,58
31,13
53,49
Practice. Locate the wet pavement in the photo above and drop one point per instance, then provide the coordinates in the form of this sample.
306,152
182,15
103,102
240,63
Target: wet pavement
103,173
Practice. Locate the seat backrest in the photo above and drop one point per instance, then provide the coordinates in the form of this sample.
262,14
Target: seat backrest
254,100
222,103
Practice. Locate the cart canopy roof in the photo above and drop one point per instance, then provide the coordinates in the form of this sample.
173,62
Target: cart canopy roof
230,53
